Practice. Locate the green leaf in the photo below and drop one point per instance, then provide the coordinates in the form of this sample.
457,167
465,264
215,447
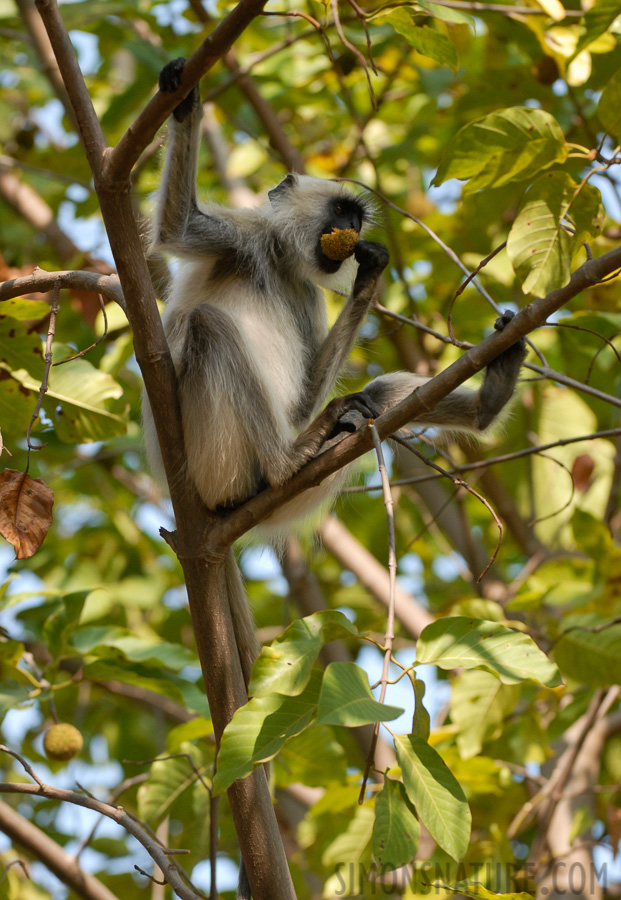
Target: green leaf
24,310
539,247
285,666
609,106
13,694
188,731
592,536
475,644
479,705
509,145
167,781
314,757
80,392
438,797
425,40
597,20
396,832
592,658
346,698
259,729
351,845
59,625
445,14
478,892
173,656
140,676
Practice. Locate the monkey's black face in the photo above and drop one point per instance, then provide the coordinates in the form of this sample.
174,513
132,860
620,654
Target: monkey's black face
341,213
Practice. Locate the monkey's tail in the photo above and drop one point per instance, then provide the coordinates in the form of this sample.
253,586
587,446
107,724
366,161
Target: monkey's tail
245,635
248,647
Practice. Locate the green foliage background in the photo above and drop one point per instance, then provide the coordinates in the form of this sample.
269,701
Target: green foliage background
94,627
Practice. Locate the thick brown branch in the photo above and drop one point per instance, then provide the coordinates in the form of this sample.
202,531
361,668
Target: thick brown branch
41,281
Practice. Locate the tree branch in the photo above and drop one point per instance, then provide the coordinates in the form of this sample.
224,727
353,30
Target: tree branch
118,815
247,516
57,860
120,160
41,281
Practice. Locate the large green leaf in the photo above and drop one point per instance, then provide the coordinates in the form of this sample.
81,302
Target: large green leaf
425,40
439,800
314,757
351,845
591,657
173,656
451,643
24,310
609,106
346,698
597,20
509,145
168,780
76,401
259,729
285,665
539,246
396,832
479,705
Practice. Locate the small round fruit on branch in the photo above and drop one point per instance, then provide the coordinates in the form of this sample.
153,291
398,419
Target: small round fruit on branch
62,742
340,243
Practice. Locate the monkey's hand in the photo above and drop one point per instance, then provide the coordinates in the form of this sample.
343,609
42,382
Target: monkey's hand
169,81
372,259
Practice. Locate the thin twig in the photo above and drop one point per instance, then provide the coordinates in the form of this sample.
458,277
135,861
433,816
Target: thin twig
86,350
390,622
51,331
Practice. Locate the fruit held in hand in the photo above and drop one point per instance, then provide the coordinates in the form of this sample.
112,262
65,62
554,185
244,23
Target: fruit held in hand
62,742
340,243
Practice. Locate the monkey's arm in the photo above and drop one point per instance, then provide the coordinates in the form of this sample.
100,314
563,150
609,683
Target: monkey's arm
324,368
179,226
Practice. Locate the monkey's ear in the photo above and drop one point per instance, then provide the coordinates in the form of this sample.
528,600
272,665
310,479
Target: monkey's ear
282,189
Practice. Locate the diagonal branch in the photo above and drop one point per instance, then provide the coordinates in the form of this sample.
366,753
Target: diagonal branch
118,815
241,520
140,134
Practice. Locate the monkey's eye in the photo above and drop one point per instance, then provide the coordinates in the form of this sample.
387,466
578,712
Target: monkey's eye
338,209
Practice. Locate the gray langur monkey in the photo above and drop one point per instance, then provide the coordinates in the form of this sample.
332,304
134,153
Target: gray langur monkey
246,325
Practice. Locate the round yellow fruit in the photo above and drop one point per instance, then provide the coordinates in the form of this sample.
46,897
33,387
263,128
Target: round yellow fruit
62,742
340,243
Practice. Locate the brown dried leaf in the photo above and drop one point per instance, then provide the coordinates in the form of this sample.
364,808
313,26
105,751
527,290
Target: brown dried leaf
25,511
582,470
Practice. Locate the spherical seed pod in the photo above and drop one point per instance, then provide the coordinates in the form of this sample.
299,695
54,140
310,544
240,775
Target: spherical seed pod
340,243
62,742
